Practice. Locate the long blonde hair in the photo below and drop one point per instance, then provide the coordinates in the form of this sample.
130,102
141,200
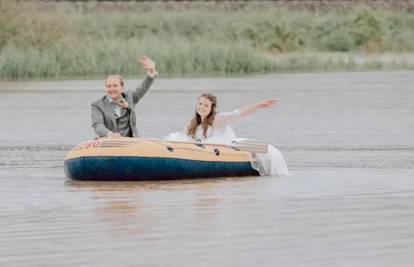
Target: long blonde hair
196,120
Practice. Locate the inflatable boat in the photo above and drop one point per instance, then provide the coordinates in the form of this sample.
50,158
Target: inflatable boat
138,159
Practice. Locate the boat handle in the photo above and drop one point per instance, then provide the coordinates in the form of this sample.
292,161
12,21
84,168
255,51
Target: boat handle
216,151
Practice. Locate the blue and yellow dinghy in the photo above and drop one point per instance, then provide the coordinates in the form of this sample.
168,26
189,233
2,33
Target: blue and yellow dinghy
136,159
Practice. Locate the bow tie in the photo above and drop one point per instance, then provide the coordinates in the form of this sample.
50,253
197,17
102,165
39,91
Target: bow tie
122,102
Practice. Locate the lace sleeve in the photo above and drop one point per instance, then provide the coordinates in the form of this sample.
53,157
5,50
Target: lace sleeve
224,119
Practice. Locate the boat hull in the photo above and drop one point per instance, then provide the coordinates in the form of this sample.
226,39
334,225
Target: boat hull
127,159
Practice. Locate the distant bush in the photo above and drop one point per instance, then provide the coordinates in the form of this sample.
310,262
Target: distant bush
24,26
86,39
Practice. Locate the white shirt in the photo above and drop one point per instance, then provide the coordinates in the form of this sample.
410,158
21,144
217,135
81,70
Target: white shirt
115,107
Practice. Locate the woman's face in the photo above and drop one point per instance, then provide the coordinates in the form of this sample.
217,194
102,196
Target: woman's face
203,107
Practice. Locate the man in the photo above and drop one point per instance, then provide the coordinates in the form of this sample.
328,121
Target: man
114,114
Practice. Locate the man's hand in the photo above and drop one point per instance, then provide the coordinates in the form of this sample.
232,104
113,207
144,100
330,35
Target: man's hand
111,134
148,64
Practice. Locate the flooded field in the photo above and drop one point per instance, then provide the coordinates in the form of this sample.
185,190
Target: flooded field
347,139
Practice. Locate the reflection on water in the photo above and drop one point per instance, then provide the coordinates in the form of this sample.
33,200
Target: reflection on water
128,186
346,137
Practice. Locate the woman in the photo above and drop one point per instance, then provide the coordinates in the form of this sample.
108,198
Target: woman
211,127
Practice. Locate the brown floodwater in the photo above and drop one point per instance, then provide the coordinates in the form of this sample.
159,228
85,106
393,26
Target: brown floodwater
347,139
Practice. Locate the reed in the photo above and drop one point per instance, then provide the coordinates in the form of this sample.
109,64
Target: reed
85,41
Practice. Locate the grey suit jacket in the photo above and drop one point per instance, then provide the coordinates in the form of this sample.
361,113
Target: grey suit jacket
103,116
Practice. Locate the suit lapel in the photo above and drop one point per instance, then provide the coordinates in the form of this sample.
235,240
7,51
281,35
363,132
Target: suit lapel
109,110
132,119
129,99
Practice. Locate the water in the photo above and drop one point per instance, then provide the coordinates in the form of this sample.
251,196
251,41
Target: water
347,138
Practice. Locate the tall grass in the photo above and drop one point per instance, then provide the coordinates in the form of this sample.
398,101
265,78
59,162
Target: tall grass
67,40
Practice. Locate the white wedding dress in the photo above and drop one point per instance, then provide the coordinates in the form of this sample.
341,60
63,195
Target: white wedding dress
271,163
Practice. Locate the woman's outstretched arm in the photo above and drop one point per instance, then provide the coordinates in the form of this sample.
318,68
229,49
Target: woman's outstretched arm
228,118
268,103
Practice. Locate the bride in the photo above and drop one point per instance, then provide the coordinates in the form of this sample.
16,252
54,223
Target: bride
209,126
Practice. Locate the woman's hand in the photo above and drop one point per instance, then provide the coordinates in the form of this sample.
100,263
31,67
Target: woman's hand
268,103
148,64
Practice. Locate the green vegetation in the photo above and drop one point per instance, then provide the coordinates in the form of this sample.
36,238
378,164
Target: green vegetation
39,40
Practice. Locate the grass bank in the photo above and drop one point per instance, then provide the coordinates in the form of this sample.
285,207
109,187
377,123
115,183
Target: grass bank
66,40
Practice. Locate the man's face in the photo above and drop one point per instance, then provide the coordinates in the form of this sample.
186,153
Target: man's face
114,89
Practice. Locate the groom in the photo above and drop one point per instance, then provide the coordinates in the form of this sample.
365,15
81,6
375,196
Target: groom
113,115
